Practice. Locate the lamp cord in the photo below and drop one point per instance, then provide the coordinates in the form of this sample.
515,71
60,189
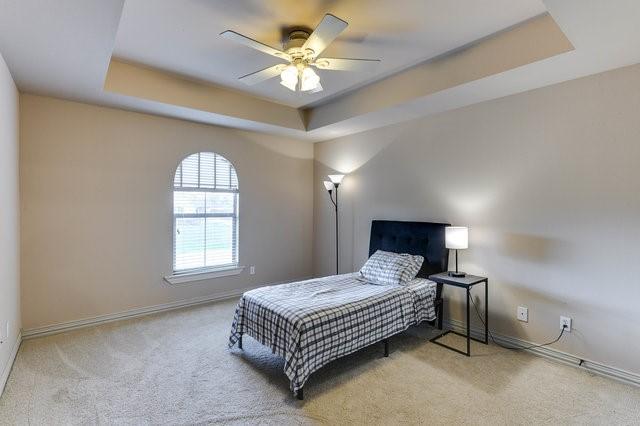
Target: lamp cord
511,347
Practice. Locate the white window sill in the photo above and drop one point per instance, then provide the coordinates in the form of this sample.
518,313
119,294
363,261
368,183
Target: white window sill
202,275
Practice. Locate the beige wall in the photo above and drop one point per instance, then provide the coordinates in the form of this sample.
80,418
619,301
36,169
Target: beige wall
548,182
9,219
96,208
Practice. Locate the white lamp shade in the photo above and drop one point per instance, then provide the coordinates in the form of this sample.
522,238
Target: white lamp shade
336,178
289,85
309,80
456,237
328,185
289,77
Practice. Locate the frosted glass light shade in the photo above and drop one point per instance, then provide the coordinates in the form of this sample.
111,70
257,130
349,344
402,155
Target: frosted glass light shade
328,185
456,237
336,178
289,85
308,79
289,77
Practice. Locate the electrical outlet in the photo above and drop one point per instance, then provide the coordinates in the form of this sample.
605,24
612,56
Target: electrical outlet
252,270
565,322
523,314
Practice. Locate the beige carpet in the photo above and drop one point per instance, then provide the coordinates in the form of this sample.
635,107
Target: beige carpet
174,368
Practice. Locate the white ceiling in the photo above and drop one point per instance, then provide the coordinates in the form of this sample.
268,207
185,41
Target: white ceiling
183,36
62,48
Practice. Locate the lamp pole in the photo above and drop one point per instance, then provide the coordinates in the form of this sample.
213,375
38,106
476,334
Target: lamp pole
330,187
337,245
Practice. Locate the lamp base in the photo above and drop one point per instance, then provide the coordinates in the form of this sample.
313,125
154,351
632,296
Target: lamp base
457,274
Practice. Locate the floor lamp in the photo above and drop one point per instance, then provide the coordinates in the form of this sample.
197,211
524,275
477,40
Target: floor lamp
332,186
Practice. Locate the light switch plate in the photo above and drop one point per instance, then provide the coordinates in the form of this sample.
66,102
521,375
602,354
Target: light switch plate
252,270
523,314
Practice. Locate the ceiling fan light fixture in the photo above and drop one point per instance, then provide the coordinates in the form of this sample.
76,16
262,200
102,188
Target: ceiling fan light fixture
289,77
301,50
309,79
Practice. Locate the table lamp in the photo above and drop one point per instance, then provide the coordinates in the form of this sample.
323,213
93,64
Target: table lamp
456,238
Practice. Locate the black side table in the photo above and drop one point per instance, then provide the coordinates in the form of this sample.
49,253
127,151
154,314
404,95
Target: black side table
466,282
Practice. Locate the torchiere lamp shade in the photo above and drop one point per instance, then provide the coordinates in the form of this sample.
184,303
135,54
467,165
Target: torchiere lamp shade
336,179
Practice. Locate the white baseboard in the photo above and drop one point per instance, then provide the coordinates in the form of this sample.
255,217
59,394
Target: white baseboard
132,313
548,352
7,368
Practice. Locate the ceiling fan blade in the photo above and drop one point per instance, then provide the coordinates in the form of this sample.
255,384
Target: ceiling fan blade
326,31
262,75
249,42
340,64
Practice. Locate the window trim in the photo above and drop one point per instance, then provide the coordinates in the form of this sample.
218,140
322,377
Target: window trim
202,274
205,272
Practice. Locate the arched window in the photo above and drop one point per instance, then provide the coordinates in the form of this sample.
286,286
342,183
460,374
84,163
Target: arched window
205,213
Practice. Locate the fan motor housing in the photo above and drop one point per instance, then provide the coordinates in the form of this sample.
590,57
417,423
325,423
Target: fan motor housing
294,41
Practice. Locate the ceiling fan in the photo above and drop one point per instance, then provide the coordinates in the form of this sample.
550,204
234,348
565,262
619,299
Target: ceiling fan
301,52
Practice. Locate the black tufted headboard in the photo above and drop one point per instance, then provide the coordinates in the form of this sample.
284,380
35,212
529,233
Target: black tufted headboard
423,238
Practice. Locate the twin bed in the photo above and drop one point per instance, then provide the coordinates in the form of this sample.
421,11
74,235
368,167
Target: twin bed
311,323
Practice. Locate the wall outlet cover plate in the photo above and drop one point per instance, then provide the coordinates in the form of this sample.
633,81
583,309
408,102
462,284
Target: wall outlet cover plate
565,321
523,314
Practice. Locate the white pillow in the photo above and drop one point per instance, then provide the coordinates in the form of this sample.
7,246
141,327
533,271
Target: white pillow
387,268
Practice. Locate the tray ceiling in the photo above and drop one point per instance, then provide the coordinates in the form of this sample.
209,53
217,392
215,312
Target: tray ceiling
182,37
165,57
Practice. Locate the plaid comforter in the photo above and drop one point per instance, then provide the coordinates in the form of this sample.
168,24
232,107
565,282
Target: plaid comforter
311,323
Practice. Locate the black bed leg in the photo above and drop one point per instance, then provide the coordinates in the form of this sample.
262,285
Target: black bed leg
386,347
440,315
240,342
300,394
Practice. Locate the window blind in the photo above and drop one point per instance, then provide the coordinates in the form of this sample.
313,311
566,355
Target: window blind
205,213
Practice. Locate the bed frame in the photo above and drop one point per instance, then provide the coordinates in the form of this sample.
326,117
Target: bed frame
418,238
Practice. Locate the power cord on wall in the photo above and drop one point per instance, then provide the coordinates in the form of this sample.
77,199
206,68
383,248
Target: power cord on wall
517,348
